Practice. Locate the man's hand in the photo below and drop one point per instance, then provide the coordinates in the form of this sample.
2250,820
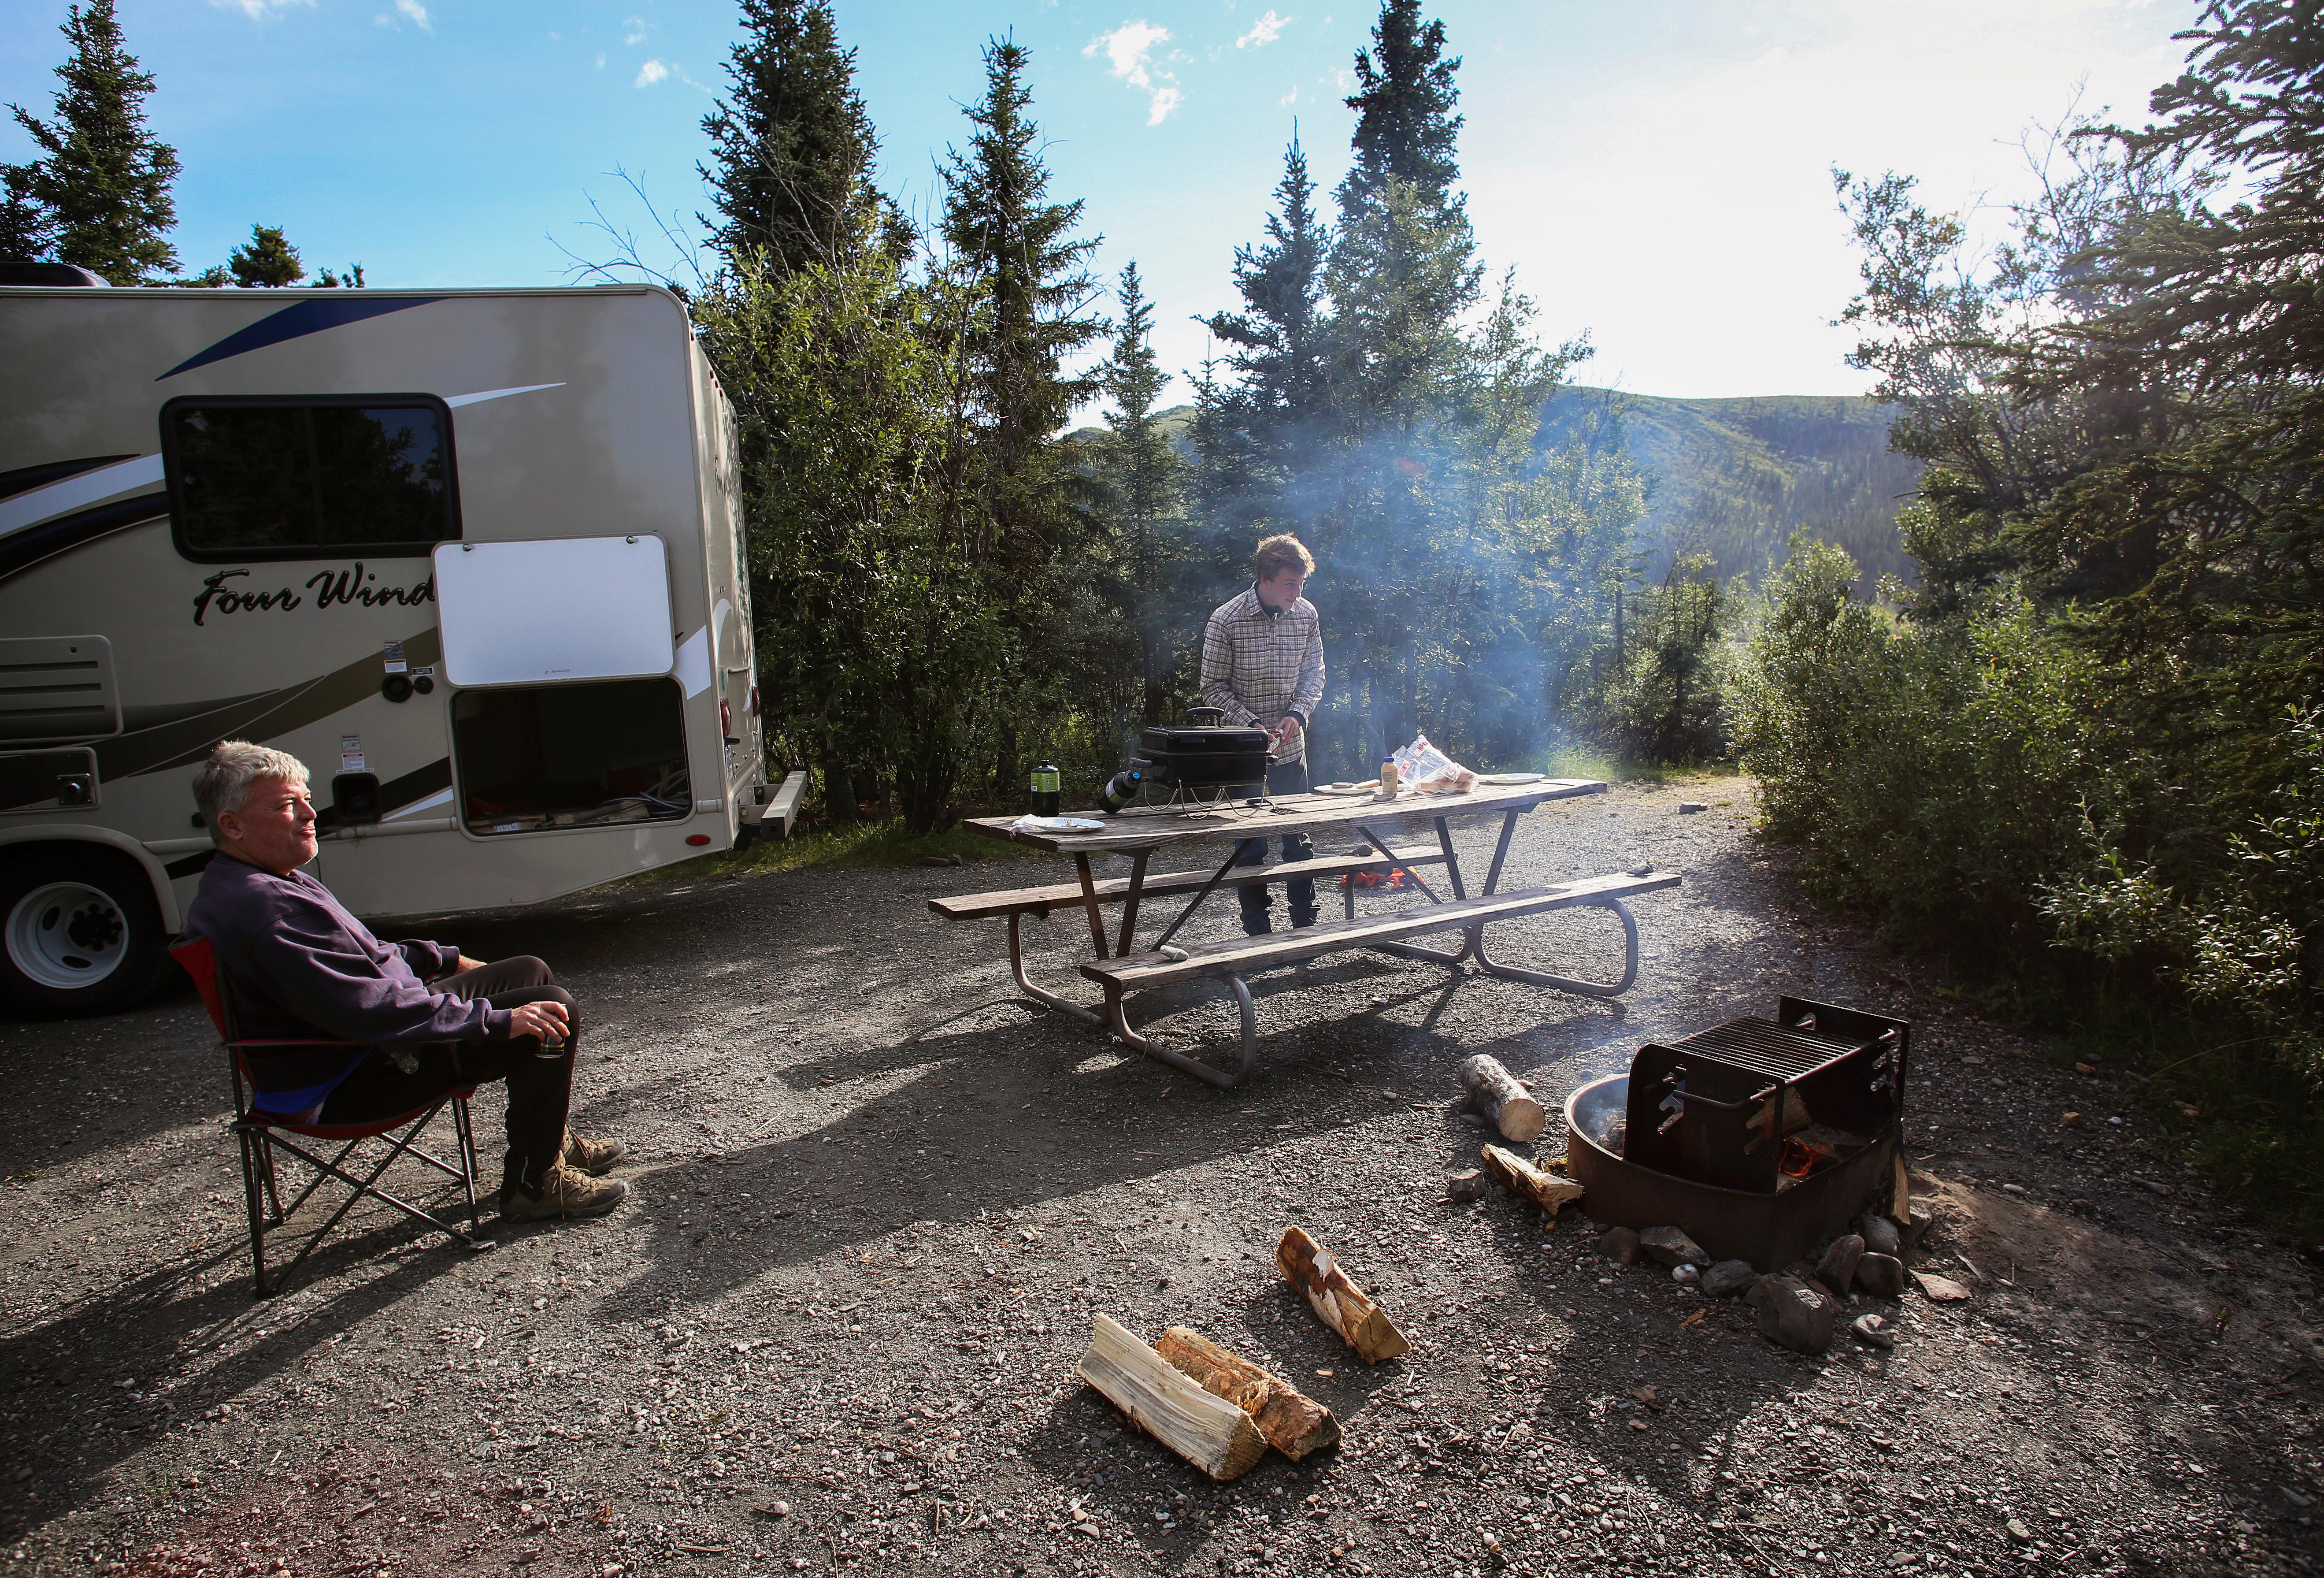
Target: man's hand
1284,732
542,1021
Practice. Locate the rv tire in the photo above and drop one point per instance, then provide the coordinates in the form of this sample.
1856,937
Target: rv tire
80,931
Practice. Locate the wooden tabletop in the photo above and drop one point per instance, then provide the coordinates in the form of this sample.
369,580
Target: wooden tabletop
1144,828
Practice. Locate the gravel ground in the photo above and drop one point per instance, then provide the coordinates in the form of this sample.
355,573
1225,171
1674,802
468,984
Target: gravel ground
877,1205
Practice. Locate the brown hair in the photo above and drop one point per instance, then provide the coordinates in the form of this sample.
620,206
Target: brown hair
1279,553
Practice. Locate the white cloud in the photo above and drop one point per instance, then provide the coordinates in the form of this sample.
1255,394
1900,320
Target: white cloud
410,10
601,60
259,10
1291,98
651,72
1127,47
1264,31
1128,50
635,31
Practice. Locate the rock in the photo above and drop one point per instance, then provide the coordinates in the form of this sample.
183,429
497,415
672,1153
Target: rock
1728,1278
2071,1121
1880,1234
2084,1068
1881,1276
1836,1269
1620,1243
2019,1532
1794,1314
936,860
1917,1227
1462,1187
1940,1290
1873,1331
1690,807
1685,1276
1670,1246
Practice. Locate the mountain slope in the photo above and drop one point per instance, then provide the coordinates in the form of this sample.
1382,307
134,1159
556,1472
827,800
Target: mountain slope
1735,478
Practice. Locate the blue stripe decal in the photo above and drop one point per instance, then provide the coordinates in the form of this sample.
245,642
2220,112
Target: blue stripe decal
300,318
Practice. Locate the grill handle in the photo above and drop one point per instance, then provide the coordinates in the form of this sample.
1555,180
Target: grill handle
1675,1091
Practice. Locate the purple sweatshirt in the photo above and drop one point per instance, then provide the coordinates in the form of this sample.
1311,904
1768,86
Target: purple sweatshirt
300,967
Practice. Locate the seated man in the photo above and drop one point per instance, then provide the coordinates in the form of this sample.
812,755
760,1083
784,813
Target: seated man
297,966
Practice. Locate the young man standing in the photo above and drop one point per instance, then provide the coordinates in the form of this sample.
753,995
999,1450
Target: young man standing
1263,665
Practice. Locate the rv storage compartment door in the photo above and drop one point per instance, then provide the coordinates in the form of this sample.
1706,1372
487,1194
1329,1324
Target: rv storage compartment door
56,687
564,608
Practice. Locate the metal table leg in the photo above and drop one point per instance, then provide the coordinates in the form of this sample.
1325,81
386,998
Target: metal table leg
1195,1065
1413,950
1487,963
1045,998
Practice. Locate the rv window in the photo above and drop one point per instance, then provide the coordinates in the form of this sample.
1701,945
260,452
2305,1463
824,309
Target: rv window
298,479
582,756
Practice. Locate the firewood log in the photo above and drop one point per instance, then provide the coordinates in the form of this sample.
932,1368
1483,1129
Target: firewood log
1529,1183
1294,1425
1500,1097
1209,1432
1335,1298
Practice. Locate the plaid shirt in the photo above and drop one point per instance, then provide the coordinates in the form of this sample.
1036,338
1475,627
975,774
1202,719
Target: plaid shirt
1261,663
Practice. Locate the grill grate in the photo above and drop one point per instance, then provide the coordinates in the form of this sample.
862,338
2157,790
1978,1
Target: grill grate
1722,1105
1765,1047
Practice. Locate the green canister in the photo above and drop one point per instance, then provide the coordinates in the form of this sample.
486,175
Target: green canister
1045,781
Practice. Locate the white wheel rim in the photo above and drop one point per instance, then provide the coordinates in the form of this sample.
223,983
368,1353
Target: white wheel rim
67,936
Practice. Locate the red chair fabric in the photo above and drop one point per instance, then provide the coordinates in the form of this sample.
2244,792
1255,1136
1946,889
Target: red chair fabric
263,1134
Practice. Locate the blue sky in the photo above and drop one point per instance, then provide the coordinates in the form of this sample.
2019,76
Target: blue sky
1654,170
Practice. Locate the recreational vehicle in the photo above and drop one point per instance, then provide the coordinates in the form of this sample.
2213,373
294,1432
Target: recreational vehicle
473,555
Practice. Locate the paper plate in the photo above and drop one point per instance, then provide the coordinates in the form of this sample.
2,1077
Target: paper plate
1509,778
1060,825
1351,791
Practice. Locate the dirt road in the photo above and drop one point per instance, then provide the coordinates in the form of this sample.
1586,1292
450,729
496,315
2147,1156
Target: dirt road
837,1327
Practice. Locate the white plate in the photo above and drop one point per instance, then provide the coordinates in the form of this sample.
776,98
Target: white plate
1510,777
1060,825
1349,792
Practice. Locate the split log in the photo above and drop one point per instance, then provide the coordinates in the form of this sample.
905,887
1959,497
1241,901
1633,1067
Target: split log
1529,1183
1207,1431
1500,1097
1294,1425
1335,1298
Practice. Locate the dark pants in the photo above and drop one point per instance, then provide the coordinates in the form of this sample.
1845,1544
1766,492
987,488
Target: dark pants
539,1088
1283,778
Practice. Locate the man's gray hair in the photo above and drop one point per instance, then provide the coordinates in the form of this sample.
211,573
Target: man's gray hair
223,782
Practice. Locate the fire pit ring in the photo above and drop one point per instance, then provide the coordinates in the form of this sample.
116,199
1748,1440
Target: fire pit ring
1769,1231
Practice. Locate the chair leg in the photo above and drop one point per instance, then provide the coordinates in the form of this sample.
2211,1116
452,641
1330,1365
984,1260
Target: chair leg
266,1168
252,1145
464,1129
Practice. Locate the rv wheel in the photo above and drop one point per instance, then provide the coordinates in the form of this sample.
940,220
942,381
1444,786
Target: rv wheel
80,931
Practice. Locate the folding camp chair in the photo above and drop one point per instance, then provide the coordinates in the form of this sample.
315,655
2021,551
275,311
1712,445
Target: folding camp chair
261,1134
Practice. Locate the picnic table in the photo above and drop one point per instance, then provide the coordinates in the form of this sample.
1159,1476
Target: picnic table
1121,967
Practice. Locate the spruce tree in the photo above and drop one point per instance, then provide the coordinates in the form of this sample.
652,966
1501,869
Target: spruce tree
268,261
100,187
1020,249
791,143
1282,337
1141,474
1018,253
1406,120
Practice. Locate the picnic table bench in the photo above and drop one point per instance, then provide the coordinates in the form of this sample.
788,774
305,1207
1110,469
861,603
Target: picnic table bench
1122,967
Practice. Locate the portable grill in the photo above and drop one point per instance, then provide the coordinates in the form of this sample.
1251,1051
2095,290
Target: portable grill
1202,758
1755,1105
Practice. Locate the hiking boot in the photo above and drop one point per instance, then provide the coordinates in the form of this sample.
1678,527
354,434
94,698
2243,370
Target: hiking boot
595,1157
564,1192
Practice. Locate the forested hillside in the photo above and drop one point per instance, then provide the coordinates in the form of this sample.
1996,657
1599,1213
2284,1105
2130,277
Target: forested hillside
1735,478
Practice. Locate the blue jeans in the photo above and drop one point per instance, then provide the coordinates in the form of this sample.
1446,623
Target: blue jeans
1283,778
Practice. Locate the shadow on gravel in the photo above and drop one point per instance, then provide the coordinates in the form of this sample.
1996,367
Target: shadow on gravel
73,1421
